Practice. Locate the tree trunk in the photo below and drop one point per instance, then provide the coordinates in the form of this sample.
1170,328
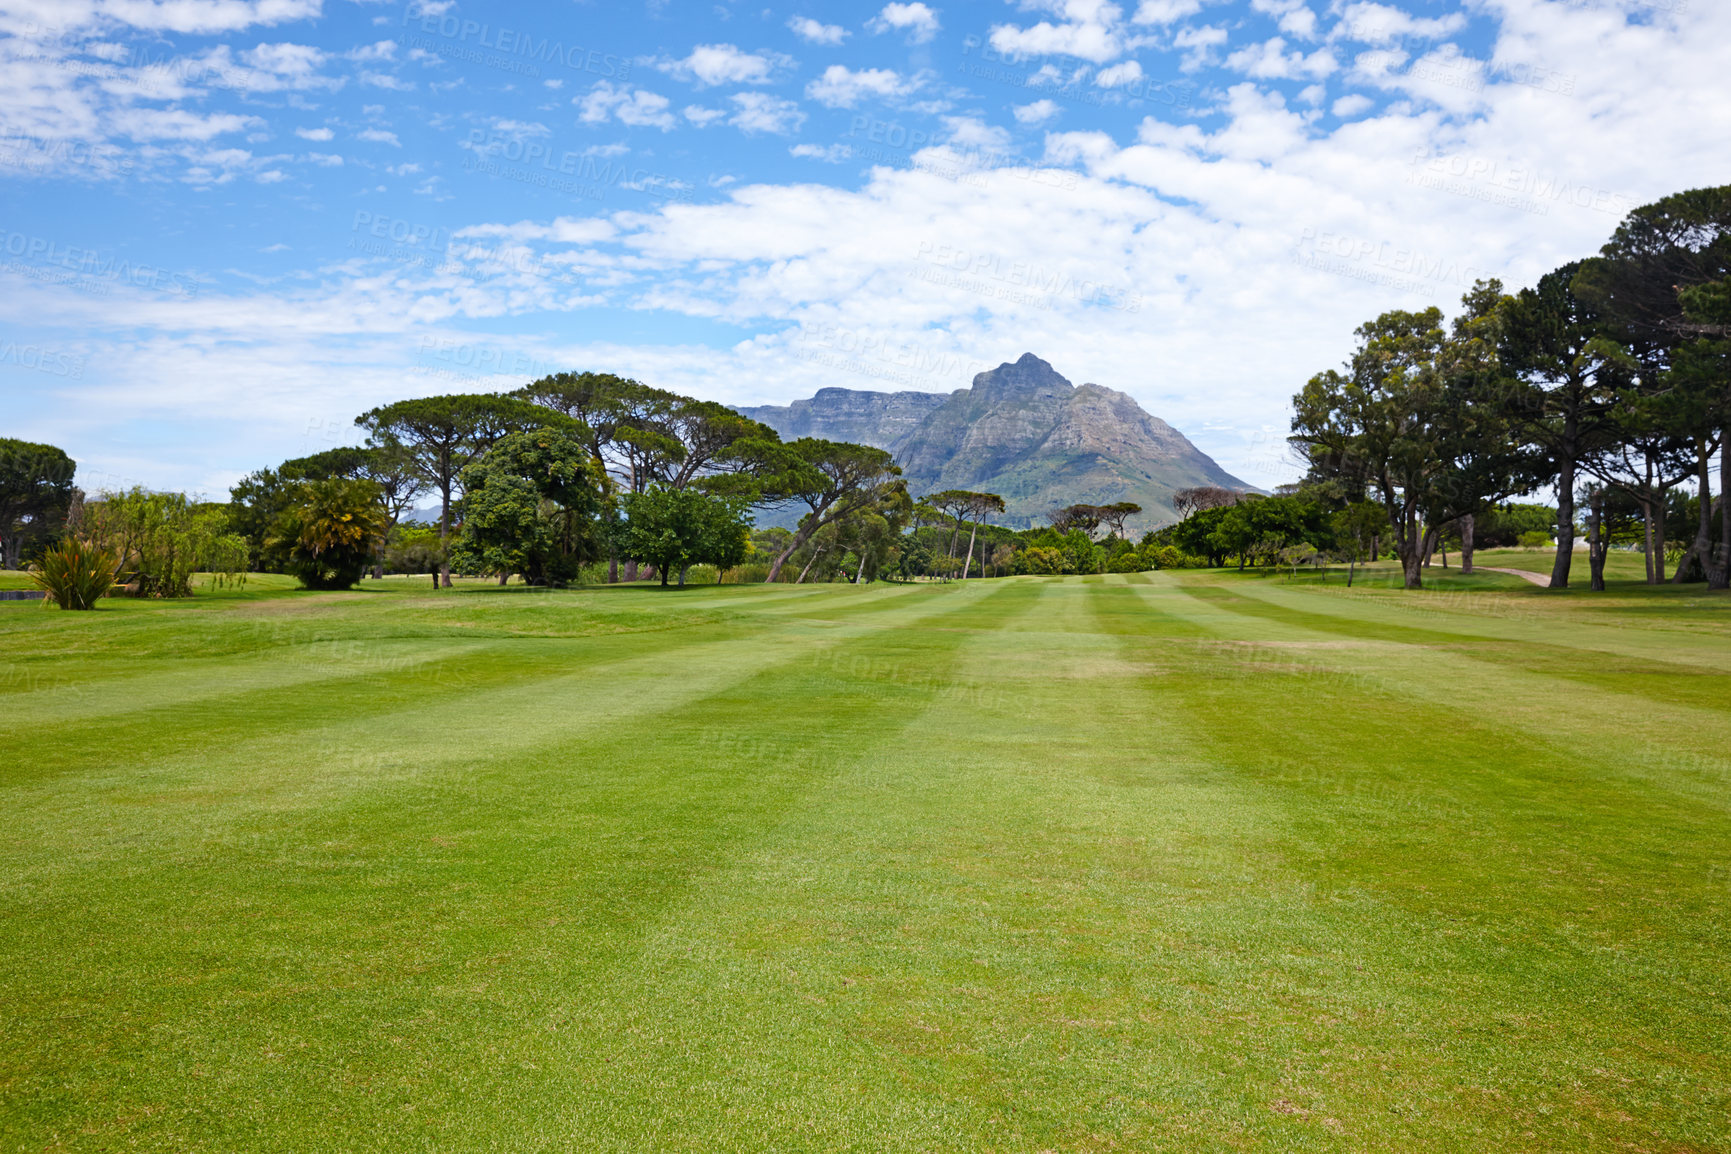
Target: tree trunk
1646,504
801,578
1565,524
612,567
1467,544
1659,540
1702,549
504,578
860,576
1415,546
630,571
1375,547
800,537
378,572
683,570
968,566
1596,538
1722,555
444,577
664,578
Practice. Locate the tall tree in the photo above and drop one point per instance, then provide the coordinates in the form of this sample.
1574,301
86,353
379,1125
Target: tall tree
530,506
444,434
832,479
1115,514
35,494
674,529
982,506
1200,497
1637,283
1083,517
1570,374
1407,422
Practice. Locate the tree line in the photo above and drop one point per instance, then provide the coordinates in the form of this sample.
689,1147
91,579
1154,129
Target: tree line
1608,382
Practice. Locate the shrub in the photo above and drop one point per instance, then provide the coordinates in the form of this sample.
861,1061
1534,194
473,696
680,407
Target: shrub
1129,562
1535,540
1171,557
162,539
749,573
327,535
75,574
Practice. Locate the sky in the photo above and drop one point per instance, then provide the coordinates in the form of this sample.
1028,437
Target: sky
230,226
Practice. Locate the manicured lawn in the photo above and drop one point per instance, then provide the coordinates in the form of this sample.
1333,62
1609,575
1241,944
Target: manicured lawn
1190,862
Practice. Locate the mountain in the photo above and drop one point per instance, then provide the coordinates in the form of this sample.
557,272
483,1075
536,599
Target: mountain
1022,431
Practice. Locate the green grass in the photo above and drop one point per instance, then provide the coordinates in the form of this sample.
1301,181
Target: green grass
1189,862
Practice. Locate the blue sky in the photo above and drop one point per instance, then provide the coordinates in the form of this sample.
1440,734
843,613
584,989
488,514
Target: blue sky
231,225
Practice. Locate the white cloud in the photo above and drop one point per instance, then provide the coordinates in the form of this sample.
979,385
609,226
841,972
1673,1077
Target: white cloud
1089,29
1371,23
761,112
1349,106
379,136
190,16
1165,11
1038,112
1201,43
701,116
974,135
918,21
1119,75
712,64
178,124
828,153
812,32
636,107
326,159
314,133
1271,61
370,53
841,87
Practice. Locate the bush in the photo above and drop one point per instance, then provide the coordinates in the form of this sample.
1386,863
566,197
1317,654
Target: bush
326,537
749,573
1535,540
1130,562
162,539
75,574
1171,557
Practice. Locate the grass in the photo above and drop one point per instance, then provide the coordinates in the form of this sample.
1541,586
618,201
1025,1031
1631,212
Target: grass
1191,862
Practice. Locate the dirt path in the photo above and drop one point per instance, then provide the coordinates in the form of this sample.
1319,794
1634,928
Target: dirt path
1539,579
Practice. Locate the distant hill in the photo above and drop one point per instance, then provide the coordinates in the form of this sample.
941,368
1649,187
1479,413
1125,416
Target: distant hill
1022,431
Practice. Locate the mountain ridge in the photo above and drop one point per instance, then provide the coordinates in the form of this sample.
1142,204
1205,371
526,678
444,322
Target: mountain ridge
1023,431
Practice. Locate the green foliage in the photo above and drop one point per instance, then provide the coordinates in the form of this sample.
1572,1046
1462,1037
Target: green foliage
413,547
162,539
1052,551
35,494
530,506
675,528
1502,526
326,535
1534,540
75,574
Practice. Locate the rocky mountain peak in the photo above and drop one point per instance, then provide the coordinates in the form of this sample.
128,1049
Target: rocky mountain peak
1022,431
